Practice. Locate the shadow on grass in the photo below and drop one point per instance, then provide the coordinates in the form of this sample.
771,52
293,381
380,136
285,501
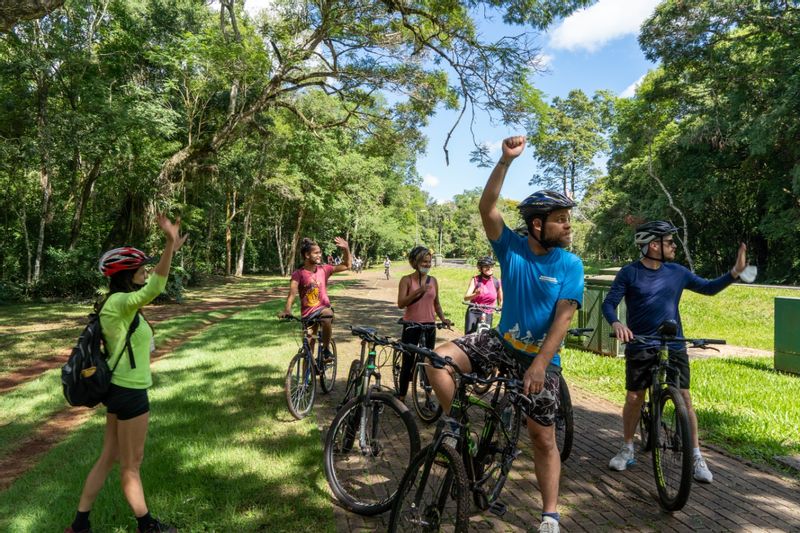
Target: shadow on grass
219,455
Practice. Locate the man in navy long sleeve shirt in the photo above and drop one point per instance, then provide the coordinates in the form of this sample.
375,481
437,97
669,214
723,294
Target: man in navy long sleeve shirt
652,288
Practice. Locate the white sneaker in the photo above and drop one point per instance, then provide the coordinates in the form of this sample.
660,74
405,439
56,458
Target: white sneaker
623,459
701,471
549,525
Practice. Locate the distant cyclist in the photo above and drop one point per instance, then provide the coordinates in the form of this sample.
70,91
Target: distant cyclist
544,285
418,294
652,288
484,289
386,265
310,282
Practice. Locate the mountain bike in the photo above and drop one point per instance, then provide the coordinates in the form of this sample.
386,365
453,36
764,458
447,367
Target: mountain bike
664,420
372,437
484,321
301,385
425,403
472,453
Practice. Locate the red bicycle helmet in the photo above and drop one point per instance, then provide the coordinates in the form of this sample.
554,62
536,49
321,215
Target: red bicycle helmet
125,258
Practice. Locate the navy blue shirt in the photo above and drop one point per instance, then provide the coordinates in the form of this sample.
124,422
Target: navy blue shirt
653,296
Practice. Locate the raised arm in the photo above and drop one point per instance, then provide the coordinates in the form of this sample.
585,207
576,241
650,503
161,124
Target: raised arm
490,215
347,260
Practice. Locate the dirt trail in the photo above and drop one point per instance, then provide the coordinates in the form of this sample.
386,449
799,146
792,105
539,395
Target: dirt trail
743,497
56,427
34,367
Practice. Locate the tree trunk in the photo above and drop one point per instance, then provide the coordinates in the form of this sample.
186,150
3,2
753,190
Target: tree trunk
230,213
245,235
23,218
44,172
13,12
83,199
295,241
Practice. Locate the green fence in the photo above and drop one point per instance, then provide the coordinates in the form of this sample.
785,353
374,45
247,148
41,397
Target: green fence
591,316
787,334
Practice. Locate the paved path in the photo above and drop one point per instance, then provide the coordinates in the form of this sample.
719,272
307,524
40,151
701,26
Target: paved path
742,498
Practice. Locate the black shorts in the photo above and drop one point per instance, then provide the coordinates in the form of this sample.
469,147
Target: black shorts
473,317
486,351
126,403
639,368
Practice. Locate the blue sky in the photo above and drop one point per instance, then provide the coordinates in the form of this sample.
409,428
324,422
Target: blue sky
593,49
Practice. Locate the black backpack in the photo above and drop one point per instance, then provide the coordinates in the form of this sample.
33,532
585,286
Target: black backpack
86,377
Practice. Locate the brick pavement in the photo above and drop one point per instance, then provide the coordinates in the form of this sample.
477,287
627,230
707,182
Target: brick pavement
743,497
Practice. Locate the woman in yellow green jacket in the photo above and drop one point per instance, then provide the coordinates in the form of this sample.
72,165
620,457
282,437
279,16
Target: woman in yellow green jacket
127,404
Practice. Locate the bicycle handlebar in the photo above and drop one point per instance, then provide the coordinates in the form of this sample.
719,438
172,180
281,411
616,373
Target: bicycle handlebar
696,343
483,307
439,362
438,325
580,332
359,331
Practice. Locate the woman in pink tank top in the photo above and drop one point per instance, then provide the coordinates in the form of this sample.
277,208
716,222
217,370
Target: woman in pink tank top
484,289
418,294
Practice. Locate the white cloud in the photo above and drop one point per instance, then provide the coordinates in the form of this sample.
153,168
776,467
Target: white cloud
430,181
544,61
593,27
630,90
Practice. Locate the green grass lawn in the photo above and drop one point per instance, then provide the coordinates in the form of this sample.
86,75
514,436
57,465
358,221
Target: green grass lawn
742,315
222,452
742,405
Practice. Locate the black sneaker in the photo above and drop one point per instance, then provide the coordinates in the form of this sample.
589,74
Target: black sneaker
157,526
327,356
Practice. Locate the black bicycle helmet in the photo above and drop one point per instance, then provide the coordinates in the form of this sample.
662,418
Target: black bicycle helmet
542,203
485,261
650,231
539,205
416,254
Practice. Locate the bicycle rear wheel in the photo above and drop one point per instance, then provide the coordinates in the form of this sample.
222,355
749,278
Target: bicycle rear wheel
365,476
300,386
352,387
672,450
565,425
425,403
327,378
434,499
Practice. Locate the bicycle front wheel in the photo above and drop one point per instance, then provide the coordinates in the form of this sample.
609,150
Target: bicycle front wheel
300,386
646,423
435,498
397,368
327,377
565,424
672,450
365,463
425,403
498,434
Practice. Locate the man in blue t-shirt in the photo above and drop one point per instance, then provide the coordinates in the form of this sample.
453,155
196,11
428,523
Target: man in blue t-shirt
652,288
543,287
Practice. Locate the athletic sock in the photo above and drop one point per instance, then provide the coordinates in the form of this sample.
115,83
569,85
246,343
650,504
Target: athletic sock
144,521
629,445
81,522
696,453
554,516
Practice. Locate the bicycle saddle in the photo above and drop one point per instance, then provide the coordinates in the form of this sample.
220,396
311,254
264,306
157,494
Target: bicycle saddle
363,330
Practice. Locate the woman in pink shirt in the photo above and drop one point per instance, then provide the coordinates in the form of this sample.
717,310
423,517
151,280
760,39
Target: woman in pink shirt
484,289
310,282
418,294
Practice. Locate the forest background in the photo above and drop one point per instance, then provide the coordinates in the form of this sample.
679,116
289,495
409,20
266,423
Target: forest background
306,119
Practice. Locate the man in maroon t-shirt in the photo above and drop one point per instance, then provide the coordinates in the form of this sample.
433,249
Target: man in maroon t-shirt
310,282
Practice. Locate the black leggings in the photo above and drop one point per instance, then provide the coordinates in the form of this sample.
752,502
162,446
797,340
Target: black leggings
411,335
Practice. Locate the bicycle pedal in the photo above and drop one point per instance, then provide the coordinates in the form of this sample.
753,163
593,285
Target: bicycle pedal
498,508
